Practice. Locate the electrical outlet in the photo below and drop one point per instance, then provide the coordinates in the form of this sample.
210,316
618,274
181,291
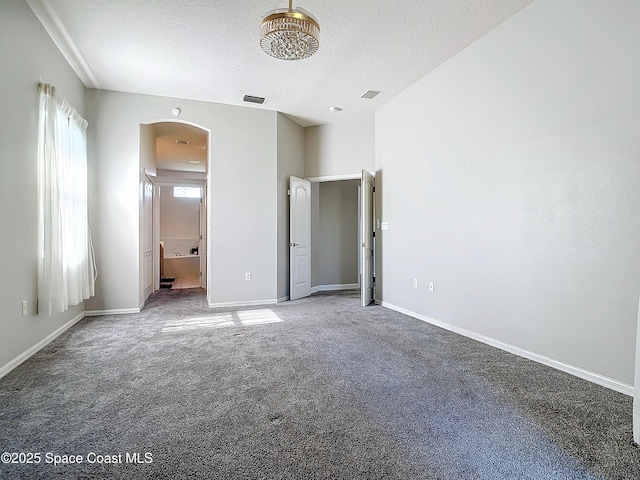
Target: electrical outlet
25,308
247,277
431,286
415,283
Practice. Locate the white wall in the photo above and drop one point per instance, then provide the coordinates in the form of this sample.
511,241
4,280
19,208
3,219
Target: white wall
290,162
27,55
509,177
334,234
342,148
242,192
147,150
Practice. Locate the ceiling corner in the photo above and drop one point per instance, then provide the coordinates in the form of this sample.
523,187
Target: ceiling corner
63,41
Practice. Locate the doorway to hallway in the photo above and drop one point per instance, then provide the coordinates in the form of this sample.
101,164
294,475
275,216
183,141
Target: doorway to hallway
174,227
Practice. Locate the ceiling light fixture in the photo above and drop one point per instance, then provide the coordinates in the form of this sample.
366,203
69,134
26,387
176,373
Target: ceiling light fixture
333,109
289,34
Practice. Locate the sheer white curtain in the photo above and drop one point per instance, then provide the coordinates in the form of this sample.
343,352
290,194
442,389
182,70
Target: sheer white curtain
66,268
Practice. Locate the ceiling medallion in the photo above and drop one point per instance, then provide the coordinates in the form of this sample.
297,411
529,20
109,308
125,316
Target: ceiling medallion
289,34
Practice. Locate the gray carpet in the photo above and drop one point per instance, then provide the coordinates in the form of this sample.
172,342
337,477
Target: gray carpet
319,388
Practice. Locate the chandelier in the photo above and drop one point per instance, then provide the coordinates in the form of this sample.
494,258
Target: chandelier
289,34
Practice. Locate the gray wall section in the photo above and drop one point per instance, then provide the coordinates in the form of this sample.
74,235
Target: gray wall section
290,163
340,148
27,56
315,227
509,178
334,233
242,191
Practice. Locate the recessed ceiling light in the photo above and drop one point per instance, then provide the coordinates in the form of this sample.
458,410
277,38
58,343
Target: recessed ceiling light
369,94
194,161
183,142
176,111
333,109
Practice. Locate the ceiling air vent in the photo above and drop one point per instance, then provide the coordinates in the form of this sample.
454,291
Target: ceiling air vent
254,99
370,94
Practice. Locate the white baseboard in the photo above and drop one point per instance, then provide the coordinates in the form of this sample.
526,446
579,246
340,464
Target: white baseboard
250,303
332,288
578,372
121,311
39,346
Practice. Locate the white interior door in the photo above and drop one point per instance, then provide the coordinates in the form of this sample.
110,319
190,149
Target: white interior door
299,238
148,237
359,244
202,246
156,237
366,228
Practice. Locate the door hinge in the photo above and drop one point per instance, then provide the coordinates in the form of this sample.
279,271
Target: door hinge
374,234
288,193
374,189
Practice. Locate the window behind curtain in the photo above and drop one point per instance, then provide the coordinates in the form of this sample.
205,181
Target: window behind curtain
66,268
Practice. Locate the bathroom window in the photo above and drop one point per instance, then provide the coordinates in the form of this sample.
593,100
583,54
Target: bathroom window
187,192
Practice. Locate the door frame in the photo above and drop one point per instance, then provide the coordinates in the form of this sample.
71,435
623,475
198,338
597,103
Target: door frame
353,176
158,181
367,229
148,289
203,252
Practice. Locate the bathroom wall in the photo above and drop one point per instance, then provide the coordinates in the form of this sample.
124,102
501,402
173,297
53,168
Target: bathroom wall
179,220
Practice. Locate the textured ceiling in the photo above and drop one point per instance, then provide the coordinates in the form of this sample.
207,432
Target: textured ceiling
209,49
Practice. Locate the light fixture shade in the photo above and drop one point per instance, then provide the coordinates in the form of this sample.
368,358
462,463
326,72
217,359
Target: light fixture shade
289,34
